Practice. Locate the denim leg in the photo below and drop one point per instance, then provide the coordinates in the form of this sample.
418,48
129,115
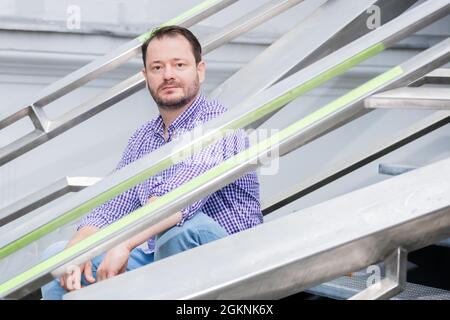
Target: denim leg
54,291
198,230
139,258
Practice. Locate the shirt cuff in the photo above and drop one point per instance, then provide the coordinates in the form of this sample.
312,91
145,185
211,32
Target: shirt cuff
95,221
188,212
160,190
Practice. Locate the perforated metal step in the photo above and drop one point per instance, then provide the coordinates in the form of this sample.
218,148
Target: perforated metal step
345,287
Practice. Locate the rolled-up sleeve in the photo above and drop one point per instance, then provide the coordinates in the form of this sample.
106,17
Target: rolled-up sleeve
120,205
112,210
198,164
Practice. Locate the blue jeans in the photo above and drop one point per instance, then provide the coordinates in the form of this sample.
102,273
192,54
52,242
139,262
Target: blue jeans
196,231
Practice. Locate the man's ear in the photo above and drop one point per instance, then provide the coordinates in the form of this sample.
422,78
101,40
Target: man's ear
144,74
201,71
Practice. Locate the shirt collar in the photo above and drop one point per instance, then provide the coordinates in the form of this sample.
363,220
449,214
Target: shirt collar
183,120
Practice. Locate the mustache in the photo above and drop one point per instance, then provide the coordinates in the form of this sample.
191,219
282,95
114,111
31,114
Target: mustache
169,84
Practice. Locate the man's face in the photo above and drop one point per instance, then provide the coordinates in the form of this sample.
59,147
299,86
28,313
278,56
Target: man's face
172,76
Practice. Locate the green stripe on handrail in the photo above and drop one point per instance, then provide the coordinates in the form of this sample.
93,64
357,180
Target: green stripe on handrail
200,7
271,106
199,181
311,84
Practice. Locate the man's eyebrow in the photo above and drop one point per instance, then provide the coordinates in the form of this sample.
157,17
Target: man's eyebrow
174,59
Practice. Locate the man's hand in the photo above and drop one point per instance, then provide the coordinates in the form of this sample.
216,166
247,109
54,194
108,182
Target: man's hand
72,279
115,262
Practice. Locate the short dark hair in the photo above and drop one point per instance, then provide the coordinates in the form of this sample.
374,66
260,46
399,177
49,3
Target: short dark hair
171,31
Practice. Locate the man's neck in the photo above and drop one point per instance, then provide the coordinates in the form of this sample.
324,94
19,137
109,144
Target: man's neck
169,116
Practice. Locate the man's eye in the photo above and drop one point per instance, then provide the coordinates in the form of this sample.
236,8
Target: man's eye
156,68
180,65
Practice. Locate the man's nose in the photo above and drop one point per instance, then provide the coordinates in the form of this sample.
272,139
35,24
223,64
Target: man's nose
168,73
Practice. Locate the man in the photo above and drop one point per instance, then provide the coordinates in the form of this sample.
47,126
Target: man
173,70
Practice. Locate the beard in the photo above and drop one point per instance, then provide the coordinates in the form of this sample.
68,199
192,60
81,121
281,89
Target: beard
175,103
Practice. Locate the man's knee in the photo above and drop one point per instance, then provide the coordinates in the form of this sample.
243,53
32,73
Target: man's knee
198,230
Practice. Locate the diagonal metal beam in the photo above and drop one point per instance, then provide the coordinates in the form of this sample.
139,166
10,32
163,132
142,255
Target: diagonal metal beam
46,129
286,53
82,112
250,111
137,82
284,142
249,21
39,198
302,249
356,161
393,283
124,53
286,56
411,98
369,154
438,76
49,129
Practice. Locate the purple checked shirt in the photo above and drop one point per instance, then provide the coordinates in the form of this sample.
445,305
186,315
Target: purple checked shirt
235,207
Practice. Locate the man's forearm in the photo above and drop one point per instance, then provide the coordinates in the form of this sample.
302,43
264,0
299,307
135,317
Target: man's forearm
137,239
82,234
153,230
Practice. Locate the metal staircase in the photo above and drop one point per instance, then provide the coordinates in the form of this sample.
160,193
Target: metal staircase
305,248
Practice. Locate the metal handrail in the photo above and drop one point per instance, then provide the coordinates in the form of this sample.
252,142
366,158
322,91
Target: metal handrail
369,153
411,97
276,97
41,197
285,50
285,54
284,141
46,129
305,248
